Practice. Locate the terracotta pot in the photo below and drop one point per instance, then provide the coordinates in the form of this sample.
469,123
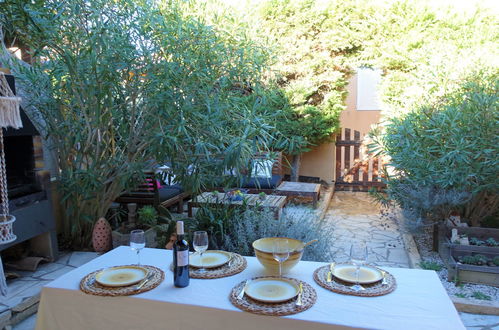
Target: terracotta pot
101,236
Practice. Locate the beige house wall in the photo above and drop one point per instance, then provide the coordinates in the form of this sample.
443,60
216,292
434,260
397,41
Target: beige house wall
320,161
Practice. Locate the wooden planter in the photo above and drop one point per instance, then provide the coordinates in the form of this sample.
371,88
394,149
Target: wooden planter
124,239
449,253
488,275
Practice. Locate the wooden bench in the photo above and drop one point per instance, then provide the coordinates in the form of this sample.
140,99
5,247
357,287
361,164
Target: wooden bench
148,193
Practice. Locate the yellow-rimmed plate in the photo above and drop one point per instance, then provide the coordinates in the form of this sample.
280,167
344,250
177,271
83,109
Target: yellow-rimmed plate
211,259
347,273
271,289
121,276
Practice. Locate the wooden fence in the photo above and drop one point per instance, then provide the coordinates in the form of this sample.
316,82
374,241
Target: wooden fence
356,169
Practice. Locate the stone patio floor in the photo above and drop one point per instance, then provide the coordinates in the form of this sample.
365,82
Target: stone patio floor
353,215
356,218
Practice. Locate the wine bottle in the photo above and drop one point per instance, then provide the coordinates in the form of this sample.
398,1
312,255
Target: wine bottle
180,258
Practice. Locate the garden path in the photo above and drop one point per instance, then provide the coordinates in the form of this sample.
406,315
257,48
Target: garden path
355,217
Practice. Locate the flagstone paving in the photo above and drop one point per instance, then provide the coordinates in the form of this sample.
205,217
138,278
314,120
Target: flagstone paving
355,217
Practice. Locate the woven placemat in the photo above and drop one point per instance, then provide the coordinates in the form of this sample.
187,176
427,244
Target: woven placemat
309,297
339,286
236,265
90,286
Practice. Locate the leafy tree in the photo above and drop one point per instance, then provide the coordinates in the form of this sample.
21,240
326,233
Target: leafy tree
120,85
444,154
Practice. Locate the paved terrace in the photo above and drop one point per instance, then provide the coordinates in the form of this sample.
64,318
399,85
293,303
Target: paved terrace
355,218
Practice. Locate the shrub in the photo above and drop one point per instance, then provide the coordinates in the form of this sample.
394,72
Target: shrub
235,230
148,215
301,224
444,154
431,265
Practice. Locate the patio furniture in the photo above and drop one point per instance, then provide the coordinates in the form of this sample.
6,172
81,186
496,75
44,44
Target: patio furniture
148,193
419,302
255,183
300,189
273,202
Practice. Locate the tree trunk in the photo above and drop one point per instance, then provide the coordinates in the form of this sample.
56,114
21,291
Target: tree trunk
295,168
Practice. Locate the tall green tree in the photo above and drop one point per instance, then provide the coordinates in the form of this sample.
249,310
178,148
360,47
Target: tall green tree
119,85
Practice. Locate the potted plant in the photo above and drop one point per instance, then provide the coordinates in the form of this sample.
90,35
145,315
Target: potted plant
156,226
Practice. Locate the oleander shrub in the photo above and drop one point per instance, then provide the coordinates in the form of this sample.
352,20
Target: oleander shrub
444,154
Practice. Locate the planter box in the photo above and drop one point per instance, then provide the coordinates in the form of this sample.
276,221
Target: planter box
488,275
449,253
444,245
124,239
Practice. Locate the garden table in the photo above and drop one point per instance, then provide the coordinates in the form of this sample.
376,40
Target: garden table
419,302
301,189
273,202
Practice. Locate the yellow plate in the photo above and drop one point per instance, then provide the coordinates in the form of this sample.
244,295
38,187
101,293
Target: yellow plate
121,276
367,274
211,259
271,289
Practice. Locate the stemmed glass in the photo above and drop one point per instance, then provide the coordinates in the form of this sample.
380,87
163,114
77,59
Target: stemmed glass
137,242
358,257
280,252
200,243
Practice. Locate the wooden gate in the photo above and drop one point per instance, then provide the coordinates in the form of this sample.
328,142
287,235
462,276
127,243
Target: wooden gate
356,169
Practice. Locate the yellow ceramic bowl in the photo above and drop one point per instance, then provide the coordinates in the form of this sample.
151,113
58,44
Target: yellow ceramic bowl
263,252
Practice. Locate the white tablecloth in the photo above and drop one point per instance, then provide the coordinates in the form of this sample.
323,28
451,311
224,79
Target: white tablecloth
419,302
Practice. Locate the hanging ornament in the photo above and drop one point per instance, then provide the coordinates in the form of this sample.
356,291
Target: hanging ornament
9,117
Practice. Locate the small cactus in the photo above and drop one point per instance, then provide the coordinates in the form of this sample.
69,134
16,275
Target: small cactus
491,242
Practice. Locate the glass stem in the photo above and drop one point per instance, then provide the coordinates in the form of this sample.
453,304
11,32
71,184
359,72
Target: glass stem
138,257
357,271
280,268
202,265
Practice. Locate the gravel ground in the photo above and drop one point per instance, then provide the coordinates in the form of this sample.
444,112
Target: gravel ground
463,290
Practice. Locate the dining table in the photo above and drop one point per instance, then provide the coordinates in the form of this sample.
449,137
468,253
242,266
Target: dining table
418,302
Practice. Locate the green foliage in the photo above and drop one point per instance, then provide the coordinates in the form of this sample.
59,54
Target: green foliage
148,215
480,296
235,229
478,260
431,265
461,295
476,241
217,220
491,242
445,153
122,84
301,224
496,261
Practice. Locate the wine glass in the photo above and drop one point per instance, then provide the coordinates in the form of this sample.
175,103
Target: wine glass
137,242
358,257
280,252
200,243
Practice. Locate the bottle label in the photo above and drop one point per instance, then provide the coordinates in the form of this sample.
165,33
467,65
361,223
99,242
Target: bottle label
182,258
